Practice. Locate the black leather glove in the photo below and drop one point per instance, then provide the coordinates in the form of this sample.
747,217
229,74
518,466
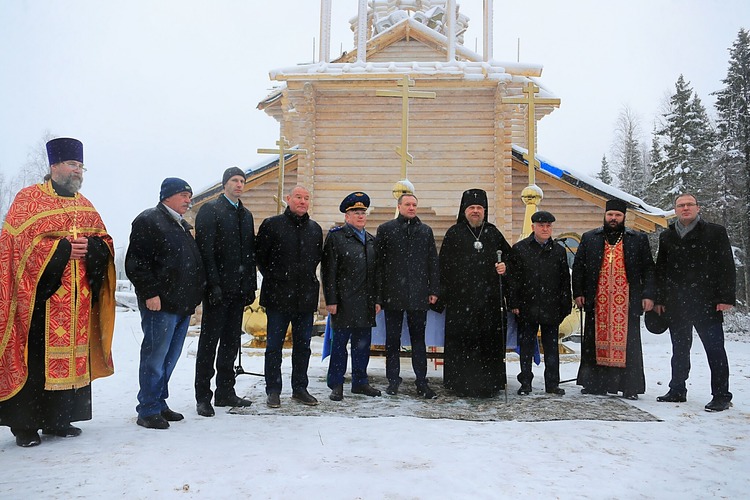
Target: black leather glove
214,295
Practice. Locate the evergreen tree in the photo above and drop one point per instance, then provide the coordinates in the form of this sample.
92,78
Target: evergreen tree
687,148
654,157
604,174
733,124
627,154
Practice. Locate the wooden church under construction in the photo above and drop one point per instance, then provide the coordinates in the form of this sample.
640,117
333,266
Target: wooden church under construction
410,104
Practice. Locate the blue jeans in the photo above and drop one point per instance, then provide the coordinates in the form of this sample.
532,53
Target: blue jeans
278,321
712,336
163,336
416,320
360,338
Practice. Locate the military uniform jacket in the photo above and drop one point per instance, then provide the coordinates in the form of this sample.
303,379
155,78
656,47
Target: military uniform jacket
348,274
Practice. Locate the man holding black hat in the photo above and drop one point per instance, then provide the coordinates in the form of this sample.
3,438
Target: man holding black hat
225,234
696,277
613,280
540,297
470,290
349,287
57,309
164,265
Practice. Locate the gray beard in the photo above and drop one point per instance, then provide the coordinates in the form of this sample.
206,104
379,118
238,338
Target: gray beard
72,184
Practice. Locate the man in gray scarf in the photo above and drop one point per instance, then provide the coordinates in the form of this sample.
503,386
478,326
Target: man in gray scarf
696,283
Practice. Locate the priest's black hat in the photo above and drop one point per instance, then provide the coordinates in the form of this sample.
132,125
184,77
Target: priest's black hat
472,197
656,323
616,204
64,149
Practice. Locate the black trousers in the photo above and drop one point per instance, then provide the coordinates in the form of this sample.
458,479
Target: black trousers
712,337
526,335
221,325
416,320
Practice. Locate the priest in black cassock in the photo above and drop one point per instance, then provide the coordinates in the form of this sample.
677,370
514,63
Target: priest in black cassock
470,291
613,281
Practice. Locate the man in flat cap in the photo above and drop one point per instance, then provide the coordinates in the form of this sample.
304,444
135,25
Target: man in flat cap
540,297
164,265
470,290
56,255
225,234
696,281
288,249
613,280
408,283
349,288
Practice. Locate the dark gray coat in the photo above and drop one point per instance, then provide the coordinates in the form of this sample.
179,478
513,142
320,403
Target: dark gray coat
163,260
288,249
695,273
348,274
407,264
539,279
226,240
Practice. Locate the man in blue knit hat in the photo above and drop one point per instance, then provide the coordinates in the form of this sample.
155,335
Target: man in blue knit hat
164,265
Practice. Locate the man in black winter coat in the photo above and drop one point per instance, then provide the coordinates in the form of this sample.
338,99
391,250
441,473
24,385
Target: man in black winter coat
408,282
164,265
696,283
348,274
540,297
288,249
224,231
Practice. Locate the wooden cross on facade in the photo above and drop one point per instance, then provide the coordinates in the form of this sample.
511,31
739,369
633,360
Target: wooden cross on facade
404,93
532,194
284,148
531,100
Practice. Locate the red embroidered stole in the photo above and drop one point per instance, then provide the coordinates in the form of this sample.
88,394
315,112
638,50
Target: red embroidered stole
78,336
612,308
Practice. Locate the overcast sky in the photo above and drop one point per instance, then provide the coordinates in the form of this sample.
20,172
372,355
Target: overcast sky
169,88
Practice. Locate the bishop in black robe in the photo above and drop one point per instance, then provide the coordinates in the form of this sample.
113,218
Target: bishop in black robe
470,290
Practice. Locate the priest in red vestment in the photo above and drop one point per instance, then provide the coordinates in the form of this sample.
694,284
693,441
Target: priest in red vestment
57,282
613,280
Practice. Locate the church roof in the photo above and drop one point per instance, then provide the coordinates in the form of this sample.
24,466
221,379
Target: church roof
592,185
265,170
470,66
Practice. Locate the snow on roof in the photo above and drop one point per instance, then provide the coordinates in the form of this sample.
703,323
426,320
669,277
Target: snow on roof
259,166
472,69
593,184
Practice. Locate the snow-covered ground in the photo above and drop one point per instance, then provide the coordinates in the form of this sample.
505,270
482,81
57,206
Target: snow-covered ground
684,453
